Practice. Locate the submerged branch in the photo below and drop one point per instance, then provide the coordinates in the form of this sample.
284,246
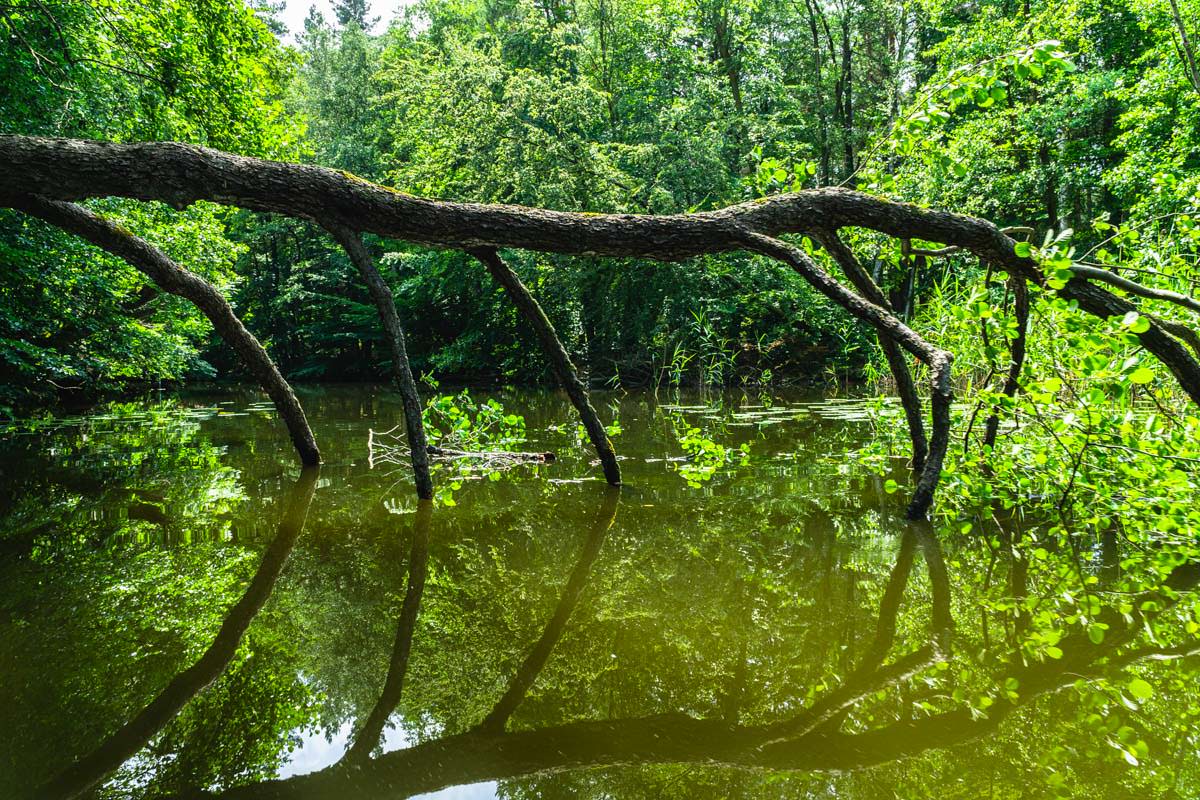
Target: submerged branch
69,169
385,304
560,361
387,447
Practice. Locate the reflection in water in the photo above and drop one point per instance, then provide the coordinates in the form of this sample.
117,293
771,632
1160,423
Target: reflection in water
319,749
134,735
806,740
778,632
368,738
527,673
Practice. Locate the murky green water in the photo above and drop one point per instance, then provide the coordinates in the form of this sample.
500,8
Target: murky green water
176,616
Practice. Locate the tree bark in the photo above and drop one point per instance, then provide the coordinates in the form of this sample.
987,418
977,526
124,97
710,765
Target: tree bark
385,304
1016,359
177,174
173,278
560,361
68,169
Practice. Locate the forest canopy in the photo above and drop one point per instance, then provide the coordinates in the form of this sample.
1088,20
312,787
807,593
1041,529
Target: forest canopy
1078,120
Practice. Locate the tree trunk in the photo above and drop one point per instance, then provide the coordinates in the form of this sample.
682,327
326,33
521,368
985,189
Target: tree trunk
560,362
847,95
178,174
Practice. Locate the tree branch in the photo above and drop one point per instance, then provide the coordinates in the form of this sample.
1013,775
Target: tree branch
180,174
174,279
1133,287
385,304
901,374
560,361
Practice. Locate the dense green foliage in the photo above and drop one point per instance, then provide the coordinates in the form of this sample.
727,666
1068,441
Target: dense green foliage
646,106
207,72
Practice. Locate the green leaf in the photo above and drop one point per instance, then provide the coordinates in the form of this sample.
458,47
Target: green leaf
1141,375
1140,689
1022,249
1135,322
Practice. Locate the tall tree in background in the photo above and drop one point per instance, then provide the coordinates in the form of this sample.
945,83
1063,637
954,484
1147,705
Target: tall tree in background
352,12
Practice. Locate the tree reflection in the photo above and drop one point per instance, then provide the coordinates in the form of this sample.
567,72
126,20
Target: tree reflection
487,752
831,732
687,647
87,771
418,558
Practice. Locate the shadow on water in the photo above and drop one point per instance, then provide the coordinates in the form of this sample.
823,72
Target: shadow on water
777,631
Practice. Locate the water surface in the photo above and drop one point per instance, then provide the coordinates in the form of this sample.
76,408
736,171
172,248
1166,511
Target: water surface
184,611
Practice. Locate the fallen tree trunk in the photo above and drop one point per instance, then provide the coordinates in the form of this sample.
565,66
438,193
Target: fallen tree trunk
178,174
